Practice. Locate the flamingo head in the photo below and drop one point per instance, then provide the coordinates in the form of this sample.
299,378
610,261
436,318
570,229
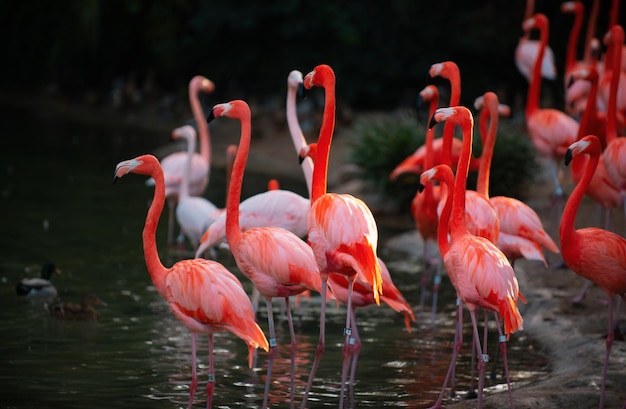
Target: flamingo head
571,7
201,83
237,109
446,69
457,115
589,144
615,35
539,21
321,76
439,172
186,131
489,100
308,151
141,165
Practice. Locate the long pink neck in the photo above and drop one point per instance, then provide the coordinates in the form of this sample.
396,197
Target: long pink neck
320,171
446,177
297,137
528,13
430,137
579,162
201,123
460,181
615,51
158,272
484,171
614,13
233,231
454,76
572,45
591,29
534,90
566,228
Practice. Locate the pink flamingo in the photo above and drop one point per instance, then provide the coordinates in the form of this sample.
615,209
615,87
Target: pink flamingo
478,270
278,262
576,92
280,208
202,294
193,213
174,164
527,52
339,247
521,230
593,253
550,130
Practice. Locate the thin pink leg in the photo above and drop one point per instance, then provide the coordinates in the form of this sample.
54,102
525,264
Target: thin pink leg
348,333
502,343
194,373
458,338
292,352
210,386
483,358
272,353
319,351
609,344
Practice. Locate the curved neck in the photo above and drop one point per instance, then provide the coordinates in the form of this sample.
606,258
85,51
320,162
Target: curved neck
460,181
614,13
201,123
530,9
157,271
430,134
443,227
320,170
233,231
484,171
591,29
591,109
566,228
534,90
572,44
297,137
455,99
615,51
184,185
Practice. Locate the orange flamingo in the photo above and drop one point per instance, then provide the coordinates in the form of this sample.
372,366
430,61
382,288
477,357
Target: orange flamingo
550,130
527,52
479,271
278,262
193,213
202,294
174,164
614,156
521,231
593,253
339,246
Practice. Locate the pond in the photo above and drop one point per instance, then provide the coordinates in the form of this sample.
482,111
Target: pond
59,204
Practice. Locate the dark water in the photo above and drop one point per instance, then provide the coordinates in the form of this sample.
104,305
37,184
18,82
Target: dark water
58,203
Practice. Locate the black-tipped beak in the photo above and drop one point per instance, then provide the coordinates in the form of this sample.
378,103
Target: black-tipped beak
570,82
210,117
302,91
568,157
300,159
115,178
432,122
420,187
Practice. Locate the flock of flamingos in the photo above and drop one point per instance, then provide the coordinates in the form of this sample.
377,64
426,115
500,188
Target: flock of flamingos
286,244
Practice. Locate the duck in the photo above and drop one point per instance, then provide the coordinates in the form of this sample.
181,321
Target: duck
39,288
84,311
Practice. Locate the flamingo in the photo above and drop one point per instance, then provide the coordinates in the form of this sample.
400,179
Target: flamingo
278,207
278,262
527,52
203,295
174,164
193,213
478,270
593,253
550,130
339,247
521,230
39,288
614,156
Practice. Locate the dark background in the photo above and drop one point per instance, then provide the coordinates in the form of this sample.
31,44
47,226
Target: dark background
381,51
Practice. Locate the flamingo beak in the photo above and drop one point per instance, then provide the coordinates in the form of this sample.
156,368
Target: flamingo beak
210,117
420,187
432,122
568,157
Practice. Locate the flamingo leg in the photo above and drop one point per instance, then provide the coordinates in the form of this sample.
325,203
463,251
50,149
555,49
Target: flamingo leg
482,361
292,351
458,341
319,351
502,349
272,353
210,386
609,344
348,334
353,349
194,373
